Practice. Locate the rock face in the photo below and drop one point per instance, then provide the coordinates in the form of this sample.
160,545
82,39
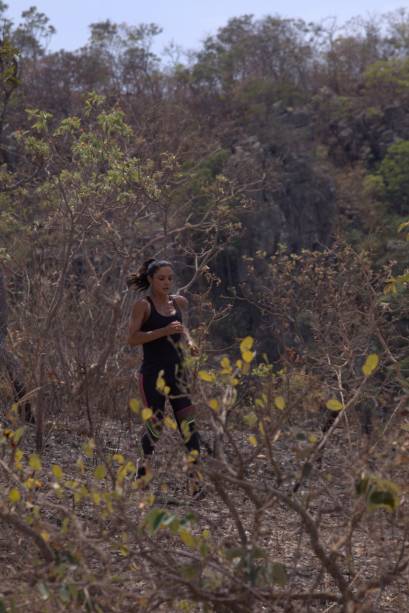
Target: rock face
293,204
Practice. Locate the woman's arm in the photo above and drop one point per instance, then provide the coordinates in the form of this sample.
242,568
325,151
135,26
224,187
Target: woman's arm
138,316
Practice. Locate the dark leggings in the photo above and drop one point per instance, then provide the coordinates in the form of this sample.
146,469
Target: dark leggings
181,404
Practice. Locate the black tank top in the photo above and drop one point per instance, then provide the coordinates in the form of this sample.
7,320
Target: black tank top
163,353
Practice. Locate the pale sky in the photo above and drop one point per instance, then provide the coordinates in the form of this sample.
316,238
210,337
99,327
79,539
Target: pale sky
186,22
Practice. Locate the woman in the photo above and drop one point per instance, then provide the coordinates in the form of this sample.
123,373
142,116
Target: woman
156,324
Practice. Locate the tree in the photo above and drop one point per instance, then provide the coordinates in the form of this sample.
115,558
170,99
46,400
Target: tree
394,172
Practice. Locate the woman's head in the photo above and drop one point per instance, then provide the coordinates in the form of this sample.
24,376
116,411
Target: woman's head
157,274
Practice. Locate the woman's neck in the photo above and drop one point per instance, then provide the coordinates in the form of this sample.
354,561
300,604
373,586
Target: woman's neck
160,298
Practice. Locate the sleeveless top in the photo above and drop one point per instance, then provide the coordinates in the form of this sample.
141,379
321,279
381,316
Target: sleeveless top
163,353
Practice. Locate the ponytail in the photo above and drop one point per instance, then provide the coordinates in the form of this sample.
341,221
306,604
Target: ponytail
139,280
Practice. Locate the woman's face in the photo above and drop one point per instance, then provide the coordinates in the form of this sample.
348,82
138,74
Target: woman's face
161,280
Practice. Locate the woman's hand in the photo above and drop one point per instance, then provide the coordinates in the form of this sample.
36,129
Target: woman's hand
176,327
193,348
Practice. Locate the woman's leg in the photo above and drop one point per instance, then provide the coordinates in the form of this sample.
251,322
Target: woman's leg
155,401
184,413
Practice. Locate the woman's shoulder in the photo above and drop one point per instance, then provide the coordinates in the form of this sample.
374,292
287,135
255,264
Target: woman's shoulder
141,306
180,301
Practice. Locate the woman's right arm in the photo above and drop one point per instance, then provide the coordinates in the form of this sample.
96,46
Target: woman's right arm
137,337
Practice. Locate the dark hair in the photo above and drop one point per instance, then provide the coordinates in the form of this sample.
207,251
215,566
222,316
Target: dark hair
140,279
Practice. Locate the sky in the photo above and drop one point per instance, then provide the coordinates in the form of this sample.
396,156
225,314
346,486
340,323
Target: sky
185,22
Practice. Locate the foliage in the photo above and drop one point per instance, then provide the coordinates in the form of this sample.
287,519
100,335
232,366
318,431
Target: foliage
395,176
229,165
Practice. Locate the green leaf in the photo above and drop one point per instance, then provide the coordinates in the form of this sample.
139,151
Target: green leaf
379,499
279,574
64,594
383,494
168,519
154,519
379,493
44,591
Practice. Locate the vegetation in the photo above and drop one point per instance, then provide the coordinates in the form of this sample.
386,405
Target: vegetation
272,167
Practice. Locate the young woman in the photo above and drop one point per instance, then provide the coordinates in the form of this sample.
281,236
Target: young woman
156,324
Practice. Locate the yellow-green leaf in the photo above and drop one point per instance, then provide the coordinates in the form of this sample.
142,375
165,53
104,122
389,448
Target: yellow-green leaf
18,456
118,458
185,428
57,471
248,356
187,538
96,497
205,375
17,435
334,405
250,419
134,405
147,414
279,403
89,447
371,364
34,462
214,404
403,226
160,383
246,344
170,423
100,472
225,363
14,495
252,440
